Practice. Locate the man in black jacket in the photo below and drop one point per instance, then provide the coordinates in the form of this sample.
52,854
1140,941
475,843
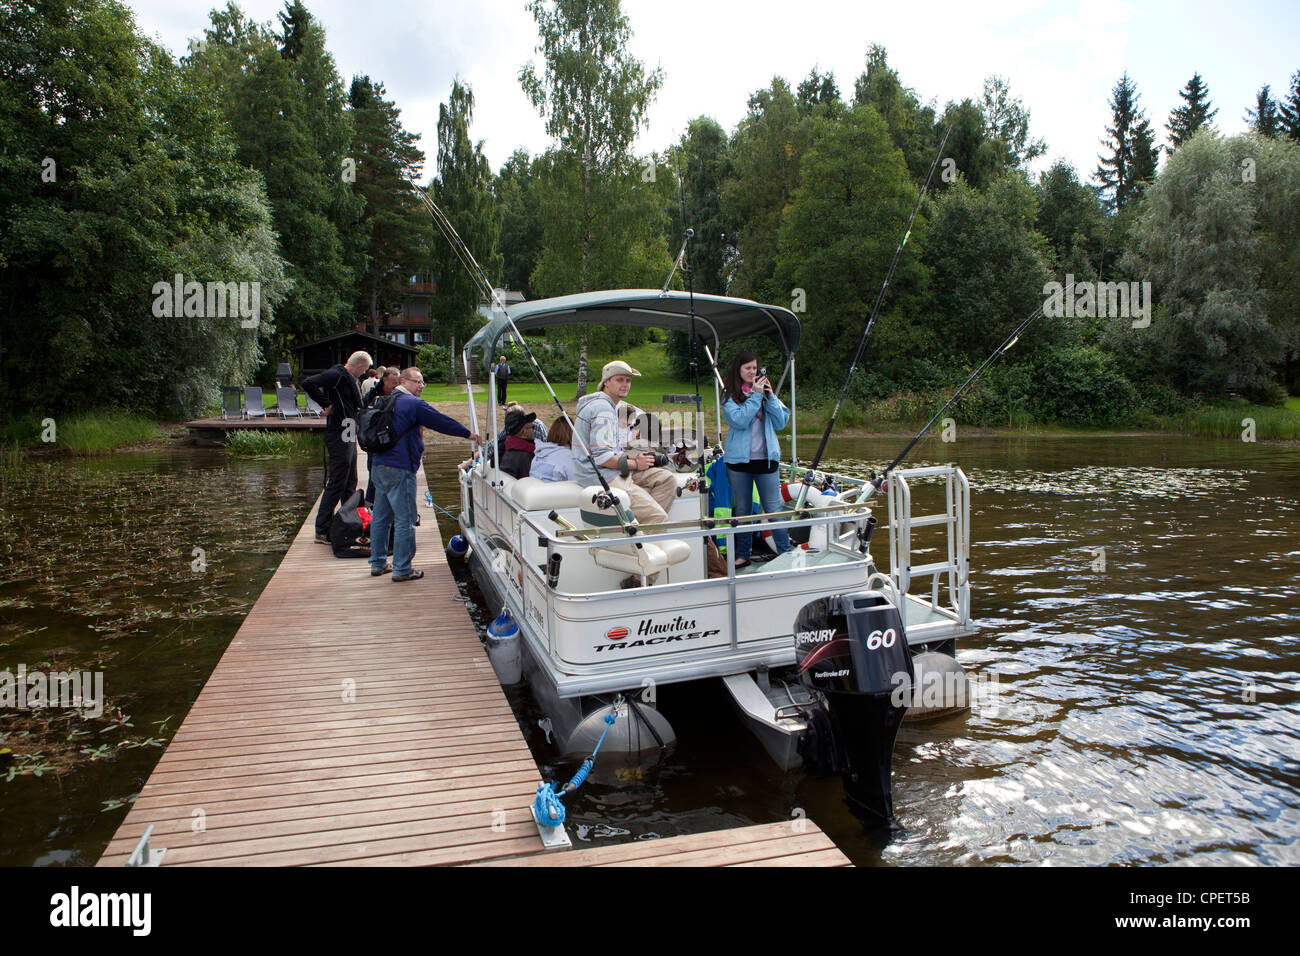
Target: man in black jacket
337,392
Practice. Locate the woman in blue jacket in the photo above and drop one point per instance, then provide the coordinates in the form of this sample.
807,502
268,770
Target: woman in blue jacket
752,454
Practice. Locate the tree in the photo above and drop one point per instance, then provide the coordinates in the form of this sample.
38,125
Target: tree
978,157
1289,110
704,150
840,232
1007,120
1264,119
1132,158
284,110
819,92
119,172
397,227
1193,114
1220,253
521,229
464,193
1071,220
988,266
911,126
765,150
593,95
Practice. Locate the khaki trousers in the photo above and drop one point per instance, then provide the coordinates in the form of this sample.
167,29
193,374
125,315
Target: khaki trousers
651,493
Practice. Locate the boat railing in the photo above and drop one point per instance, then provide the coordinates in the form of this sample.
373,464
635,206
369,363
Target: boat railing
955,520
590,538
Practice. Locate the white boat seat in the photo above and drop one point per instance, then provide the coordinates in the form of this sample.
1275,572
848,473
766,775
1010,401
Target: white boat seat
533,494
621,554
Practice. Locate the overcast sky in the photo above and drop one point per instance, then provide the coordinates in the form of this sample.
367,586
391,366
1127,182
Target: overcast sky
1062,59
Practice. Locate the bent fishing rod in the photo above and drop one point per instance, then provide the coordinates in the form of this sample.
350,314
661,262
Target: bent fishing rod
875,310
876,481
479,277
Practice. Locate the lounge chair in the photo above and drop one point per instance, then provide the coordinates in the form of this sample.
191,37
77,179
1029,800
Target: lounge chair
254,407
232,403
286,402
313,408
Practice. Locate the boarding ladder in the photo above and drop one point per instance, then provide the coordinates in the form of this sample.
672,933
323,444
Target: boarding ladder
932,620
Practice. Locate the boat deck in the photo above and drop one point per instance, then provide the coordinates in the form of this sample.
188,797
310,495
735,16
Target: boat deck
354,721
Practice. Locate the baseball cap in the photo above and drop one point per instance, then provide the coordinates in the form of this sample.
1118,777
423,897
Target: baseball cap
617,367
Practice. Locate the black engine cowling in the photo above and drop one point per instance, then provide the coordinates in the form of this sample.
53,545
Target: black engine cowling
853,651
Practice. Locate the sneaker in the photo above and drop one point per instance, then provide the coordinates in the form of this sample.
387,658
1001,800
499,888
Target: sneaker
409,576
322,538
380,572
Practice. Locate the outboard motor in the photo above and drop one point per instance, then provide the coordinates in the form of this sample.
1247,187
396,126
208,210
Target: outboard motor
851,650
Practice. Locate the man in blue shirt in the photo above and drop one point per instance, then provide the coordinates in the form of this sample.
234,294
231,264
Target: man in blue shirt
394,477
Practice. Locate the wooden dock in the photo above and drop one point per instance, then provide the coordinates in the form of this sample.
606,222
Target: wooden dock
354,721
213,431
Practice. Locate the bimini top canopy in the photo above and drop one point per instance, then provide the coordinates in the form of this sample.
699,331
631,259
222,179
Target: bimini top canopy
717,317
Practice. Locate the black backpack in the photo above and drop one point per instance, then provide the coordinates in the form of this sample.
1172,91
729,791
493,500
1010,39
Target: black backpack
347,531
375,425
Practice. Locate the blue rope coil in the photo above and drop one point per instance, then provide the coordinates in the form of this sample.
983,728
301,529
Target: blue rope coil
547,808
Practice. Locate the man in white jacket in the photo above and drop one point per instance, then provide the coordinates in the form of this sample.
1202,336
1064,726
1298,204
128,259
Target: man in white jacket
650,489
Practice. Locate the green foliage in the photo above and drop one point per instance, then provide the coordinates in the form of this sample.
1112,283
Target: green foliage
464,193
397,230
840,233
911,126
1288,110
283,100
766,150
1195,112
1264,118
433,361
1205,236
520,240
1007,121
119,172
705,152
1071,220
103,431
1132,151
597,221
988,267
252,443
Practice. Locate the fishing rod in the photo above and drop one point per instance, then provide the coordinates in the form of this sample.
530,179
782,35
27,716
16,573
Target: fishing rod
607,499
875,483
875,309
689,273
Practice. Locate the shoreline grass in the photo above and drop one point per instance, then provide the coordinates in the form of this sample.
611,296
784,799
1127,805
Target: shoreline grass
251,443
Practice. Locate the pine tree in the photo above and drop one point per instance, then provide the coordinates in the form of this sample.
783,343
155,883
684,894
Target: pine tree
464,192
395,224
1289,110
1193,114
1263,119
1146,154
1132,158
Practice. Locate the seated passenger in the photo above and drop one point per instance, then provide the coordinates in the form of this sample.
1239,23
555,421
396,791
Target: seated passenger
553,460
539,430
518,446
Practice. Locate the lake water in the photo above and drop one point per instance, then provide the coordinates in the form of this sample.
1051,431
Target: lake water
1147,712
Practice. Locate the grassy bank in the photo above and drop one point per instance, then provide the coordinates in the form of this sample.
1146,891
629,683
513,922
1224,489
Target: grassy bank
91,433
259,444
